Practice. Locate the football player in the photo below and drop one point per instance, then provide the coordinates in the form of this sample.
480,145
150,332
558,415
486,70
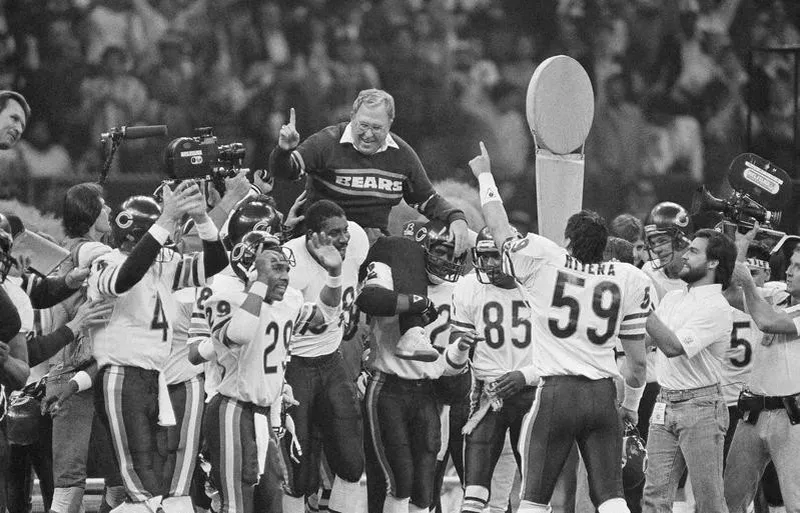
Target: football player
444,269
251,331
504,381
580,304
401,405
140,276
316,371
667,231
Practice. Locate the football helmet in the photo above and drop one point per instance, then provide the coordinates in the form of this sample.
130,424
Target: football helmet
244,253
440,261
6,260
634,457
486,259
671,220
136,215
256,214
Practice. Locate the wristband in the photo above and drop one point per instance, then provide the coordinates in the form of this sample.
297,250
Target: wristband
207,230
632,397
206,350
160,234
259,288
83,380
333,282
488,189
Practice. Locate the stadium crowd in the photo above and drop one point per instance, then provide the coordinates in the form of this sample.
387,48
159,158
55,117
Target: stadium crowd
238,347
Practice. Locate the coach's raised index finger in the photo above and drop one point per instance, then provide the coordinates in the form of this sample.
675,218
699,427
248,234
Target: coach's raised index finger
291,117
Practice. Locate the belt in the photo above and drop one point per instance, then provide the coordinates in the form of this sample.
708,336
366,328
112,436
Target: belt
317,361
677,396
767,402
396,381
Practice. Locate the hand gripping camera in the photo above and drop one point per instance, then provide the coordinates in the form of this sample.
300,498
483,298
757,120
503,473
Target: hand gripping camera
760,192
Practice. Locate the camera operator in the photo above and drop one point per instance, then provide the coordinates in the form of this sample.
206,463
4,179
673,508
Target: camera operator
770,404
692,330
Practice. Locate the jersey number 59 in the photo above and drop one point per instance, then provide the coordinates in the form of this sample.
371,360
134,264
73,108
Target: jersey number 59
609,313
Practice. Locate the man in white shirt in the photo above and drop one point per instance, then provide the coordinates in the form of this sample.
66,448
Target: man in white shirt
771,401
691,329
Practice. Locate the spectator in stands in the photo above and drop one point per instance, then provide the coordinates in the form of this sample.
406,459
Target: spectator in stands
41,155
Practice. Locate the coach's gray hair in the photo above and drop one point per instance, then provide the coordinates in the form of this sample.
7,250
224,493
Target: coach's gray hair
373,97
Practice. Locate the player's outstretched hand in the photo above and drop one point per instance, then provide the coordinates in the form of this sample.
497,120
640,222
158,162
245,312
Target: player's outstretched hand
289,138
481,164
509,384
468,340
173,205
292,219
322,249
194,204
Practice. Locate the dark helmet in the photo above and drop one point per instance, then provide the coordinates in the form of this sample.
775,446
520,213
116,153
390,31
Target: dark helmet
432,236
6,260
136,215
634,457
256,214
668,219
484,251
244,253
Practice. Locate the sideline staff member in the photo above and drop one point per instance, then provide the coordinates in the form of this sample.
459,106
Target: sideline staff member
692,330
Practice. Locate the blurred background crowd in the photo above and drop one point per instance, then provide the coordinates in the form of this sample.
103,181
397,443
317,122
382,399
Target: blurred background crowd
672,80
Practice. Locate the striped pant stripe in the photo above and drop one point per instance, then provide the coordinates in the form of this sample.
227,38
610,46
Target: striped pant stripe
524,443
230,414
191,422
373,391
113,381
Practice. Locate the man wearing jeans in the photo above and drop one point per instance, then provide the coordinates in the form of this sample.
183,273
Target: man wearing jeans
770,404
691,329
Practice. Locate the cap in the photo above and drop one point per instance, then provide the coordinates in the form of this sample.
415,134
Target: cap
6,94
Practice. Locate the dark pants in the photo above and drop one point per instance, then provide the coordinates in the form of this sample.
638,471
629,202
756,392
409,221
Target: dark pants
328,406
23,461
454,392
573,409
403,419
127,402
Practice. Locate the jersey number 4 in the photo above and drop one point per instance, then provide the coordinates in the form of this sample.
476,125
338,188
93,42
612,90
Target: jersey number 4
159,321
609,313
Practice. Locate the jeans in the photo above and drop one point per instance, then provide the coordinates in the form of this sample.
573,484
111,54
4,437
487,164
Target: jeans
692,437
772,437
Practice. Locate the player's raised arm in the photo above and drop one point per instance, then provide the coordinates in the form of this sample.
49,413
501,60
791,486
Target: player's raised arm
491,202
284,161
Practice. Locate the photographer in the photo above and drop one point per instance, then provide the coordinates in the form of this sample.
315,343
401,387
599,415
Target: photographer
692,330
770,403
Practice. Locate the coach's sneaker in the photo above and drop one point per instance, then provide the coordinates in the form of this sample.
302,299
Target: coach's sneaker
415,345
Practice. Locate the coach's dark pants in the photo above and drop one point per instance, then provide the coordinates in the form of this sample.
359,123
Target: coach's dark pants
573,409
403,418
328,405
127,402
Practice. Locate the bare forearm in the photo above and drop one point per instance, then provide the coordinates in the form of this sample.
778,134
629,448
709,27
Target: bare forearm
663,337
766,318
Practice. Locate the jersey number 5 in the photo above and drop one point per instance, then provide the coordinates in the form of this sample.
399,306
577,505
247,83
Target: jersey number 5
609,313
736,342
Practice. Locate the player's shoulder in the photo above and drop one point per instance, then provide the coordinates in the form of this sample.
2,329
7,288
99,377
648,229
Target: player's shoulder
358,247
293,298
115,256
87,252
632,274
533,245
227,296
466,286
186,294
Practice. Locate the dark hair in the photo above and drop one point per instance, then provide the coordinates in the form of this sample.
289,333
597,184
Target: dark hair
628,227
82,205
5,96
721,248
618,249
759,251
319,212
587,234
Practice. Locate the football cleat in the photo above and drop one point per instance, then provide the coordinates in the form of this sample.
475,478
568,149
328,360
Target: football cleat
415,345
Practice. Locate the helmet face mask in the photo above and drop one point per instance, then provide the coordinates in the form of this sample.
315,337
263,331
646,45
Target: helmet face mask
487,260
666,232
6,260
243,255
441,263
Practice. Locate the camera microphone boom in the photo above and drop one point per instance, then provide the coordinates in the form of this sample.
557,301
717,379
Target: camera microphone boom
134,132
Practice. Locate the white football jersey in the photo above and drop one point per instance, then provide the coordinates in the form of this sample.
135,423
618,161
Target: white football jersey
439,330
139,332
178,368
579,308
253,372
661,281
502,317
735,372
309,277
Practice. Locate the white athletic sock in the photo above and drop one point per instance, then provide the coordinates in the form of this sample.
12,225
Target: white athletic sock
475,499
616,505
66,500
293,504
532,507
344,496
394,505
